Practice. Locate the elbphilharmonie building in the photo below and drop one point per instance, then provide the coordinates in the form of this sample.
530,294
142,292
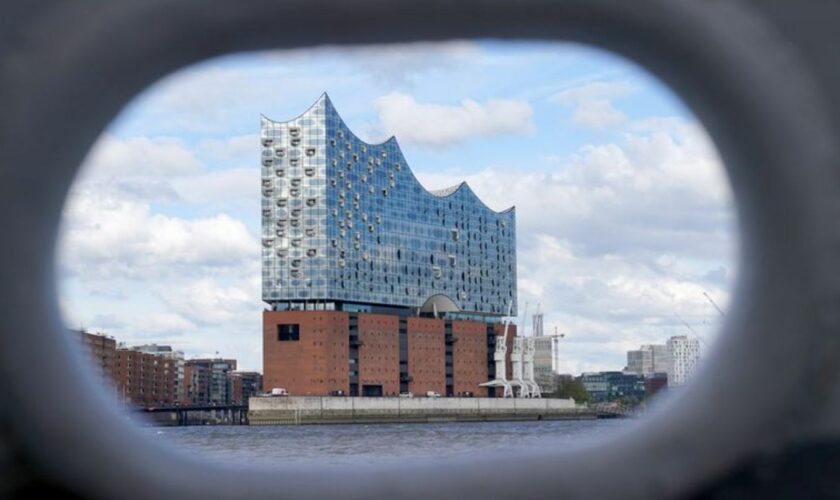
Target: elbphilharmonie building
376,286
347,225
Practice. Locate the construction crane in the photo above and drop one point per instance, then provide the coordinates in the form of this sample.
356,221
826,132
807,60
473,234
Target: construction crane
530,388
500,357
524,318
537,324
516,359
714,304
692,330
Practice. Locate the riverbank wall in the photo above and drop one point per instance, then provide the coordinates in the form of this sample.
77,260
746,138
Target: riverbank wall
293,410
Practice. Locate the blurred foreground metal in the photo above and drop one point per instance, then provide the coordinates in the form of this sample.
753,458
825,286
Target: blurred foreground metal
762,419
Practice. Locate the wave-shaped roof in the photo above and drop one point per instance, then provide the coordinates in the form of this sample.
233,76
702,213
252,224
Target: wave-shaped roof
439,193
462,253
442,193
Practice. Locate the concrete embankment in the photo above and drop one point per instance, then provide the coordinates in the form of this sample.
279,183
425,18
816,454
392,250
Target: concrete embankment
293,410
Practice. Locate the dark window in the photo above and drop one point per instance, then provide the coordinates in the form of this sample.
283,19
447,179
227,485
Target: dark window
374,391
288,332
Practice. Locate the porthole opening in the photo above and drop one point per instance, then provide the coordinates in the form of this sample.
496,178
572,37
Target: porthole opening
619,257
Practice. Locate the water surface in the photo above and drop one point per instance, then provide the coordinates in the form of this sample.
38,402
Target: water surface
374,443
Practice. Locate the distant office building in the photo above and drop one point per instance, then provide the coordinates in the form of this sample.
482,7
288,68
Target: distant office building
638,361
145,379
547,361
102,351
244,385
376,286
178,358
684,356
660,357
610,386
208,381
648,359
537,325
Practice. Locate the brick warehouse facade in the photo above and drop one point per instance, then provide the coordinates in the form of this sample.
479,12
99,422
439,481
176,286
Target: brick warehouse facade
322,353
469,357
379,354
312,360
426,359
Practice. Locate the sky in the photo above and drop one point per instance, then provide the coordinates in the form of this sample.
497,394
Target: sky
624,213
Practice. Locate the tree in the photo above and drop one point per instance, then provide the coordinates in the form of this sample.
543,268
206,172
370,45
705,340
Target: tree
567,386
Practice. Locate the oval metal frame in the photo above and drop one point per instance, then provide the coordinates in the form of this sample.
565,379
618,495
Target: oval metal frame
75,64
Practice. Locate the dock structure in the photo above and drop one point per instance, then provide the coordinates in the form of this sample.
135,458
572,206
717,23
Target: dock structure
183,415
294,410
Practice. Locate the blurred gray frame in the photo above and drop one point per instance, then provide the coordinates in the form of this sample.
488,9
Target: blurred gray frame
759,75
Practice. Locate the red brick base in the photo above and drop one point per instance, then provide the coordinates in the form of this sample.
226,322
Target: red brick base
315,360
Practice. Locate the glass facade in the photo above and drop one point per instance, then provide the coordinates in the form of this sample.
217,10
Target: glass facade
346,222
609,386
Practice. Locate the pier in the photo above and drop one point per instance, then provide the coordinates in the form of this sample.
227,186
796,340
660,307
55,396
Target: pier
298,410
197,415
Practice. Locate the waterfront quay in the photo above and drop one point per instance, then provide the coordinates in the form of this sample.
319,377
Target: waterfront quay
297,410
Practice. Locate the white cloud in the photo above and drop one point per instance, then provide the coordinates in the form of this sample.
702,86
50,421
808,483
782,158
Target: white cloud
592,103
651,191
140,156
240,149
397,64
441,125
137,168
619,239
205,301
159,324
608,304
221,186
192,100
216,97
168,170
111,237
140,272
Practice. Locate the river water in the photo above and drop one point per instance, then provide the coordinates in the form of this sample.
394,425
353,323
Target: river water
373,444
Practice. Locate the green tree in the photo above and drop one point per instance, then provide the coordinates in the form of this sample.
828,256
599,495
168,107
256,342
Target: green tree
576,390
567,386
